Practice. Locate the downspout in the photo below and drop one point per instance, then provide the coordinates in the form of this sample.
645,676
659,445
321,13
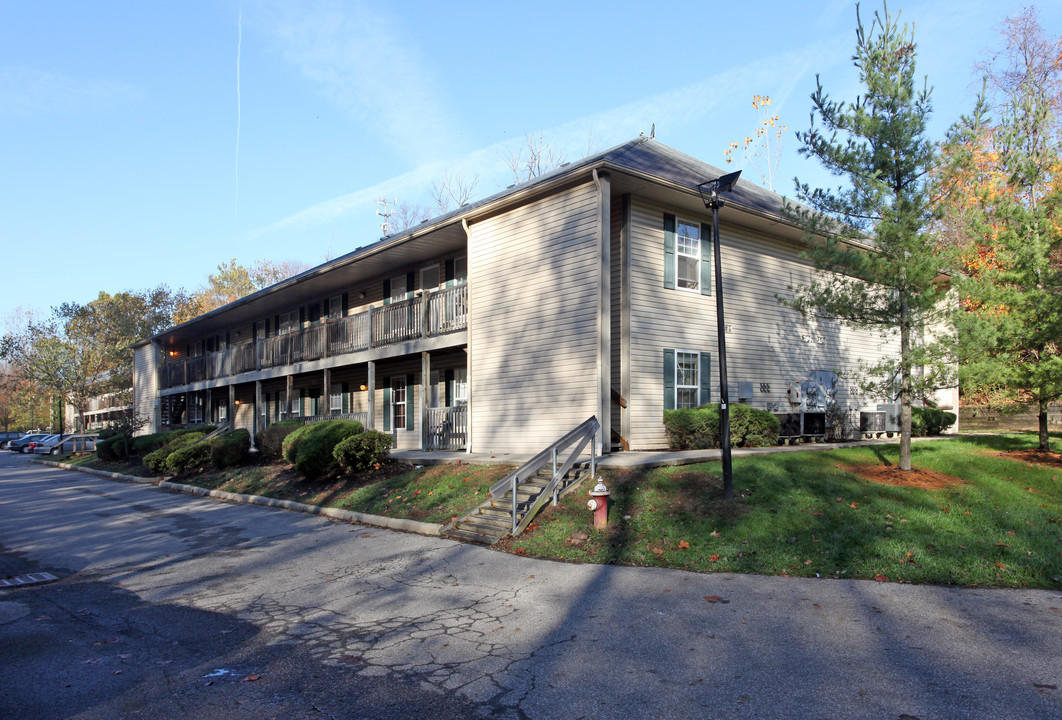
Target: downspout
469,425
604,309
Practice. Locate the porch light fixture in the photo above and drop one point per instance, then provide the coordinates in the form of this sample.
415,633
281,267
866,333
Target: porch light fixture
363,387
710,193
173,353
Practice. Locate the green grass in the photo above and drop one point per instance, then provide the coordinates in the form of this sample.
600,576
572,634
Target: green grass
807,514
124,467
430,494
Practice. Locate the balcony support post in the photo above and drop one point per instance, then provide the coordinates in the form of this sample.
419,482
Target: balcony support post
328,392
289,390
425,382
425,315
231,412
371,384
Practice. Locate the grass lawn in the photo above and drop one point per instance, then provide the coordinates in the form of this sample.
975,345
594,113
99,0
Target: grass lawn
978,519
429,494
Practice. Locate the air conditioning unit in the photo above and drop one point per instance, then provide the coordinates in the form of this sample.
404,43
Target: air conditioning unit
790,425
814,423
892,416
871,422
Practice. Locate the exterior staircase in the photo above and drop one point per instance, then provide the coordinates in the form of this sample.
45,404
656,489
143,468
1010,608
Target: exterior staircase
544,477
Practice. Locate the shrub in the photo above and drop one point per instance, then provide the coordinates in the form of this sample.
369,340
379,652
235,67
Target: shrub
751,427
156,460
313,456
930,421
270,442
112,448
146,444
188,458
362,451
289,448
230,449
698,429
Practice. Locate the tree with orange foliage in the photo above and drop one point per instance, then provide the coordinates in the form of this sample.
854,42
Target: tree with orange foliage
1002,194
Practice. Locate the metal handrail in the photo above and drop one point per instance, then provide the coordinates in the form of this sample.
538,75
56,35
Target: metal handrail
580,436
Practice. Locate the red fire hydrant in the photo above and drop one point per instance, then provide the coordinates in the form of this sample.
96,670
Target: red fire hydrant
598,503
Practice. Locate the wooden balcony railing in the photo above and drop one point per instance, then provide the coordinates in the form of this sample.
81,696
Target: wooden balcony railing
427,315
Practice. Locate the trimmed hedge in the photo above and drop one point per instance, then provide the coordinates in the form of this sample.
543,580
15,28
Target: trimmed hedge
146,444
310,448
113,448
156,460
930,421
230,449
362,451
698,429
270,442
189,457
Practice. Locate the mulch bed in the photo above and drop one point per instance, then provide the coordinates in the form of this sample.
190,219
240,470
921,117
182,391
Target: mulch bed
915,477
1035,457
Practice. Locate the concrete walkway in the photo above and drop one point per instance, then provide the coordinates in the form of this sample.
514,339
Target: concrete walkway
648,458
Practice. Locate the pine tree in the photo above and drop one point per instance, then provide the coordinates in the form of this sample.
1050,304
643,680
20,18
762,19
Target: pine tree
870,237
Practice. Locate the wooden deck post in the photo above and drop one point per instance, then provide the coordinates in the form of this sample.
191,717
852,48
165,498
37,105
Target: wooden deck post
372,395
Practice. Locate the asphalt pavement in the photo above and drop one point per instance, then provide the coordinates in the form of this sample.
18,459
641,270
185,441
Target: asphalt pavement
171,606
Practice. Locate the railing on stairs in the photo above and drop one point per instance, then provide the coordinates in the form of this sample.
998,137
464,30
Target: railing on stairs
577,440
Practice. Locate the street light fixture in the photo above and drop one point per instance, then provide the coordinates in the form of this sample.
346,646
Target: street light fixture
710,193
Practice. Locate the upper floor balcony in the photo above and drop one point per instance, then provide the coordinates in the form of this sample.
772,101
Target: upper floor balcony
430,314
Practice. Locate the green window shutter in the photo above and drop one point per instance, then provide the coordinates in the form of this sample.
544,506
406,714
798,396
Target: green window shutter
669,379
346,304
387,404
706,259
706,378
387,292
410,405
449,273
346,397
410,279
669,252
449,376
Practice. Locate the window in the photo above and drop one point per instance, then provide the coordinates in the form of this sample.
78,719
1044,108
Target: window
398,288
398,402
287,322
429,277
460,270
687,376
460,386
688,256
223,412
687,380
282,405
335,307
335,398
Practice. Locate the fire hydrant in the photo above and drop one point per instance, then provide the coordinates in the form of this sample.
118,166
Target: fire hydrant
598,504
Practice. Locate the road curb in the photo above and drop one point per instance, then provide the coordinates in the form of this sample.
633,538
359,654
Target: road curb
100,473
414,526
403,524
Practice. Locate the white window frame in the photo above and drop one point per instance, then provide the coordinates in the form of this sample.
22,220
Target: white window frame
282,405
398,281
460,397
398,390
460,270
287,322
425,283
335,307
335,398
680,387
689,248
223,412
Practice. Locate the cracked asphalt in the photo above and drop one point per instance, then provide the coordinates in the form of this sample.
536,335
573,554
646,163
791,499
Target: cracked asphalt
170,606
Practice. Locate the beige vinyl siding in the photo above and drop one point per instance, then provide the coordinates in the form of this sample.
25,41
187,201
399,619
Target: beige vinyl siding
533,297
146,385
767,343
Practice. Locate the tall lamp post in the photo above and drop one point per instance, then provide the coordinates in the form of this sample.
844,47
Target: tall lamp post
710,192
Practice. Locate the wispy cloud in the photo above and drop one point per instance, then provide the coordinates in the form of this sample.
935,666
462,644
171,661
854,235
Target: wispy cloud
31,92
360,58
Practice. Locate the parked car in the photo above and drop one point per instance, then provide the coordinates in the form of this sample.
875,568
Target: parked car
53,444
21,444
6,437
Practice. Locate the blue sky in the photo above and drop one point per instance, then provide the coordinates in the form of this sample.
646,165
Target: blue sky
144,143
